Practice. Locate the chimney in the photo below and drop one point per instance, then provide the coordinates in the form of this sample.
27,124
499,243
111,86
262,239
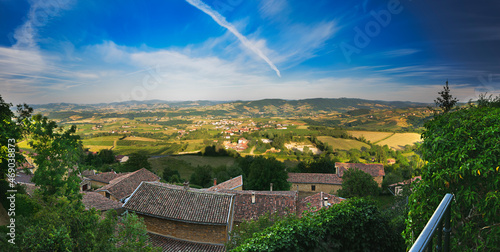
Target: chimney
253,197
297,188
271,187
186,185
215,181
325,201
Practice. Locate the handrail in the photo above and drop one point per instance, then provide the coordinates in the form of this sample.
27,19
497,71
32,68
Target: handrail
435,223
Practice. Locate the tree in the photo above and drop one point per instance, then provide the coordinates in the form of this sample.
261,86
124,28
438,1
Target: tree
136,162
202,176
357,183
446,101
337,228
10,133
107,156
462,149
57,155
259,172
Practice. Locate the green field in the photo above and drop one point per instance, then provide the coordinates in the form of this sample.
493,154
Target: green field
342,144
185,164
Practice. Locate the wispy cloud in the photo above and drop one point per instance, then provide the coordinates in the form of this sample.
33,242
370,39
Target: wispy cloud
219,19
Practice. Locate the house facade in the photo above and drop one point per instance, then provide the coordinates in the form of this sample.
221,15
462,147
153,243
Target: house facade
315,182
184,213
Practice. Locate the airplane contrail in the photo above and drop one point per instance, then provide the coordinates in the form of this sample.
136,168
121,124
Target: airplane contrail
224,23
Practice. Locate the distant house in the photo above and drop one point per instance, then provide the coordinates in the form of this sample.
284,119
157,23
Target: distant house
315,182
123,186
376,170
121,158
391,161
191,216
235,183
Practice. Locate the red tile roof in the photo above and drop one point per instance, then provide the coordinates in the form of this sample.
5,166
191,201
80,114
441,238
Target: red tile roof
376,170
228,185
106,177
316,202
174,245
121,187
314,178
99,202
283,202
177,203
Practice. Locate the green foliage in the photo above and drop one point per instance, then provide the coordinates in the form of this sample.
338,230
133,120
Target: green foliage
136,162
246,229
357,183
171,175
132,235
9,129
446,101
59,224
202,176
355,225
259,172
320,165
57,154
463,153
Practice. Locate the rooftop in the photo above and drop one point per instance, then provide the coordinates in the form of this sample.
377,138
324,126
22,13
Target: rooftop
174,245
228,185
376,170
121,187
106,177
314,178
99,202
178,203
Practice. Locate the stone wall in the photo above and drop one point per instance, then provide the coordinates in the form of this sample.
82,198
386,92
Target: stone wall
319,187
215,234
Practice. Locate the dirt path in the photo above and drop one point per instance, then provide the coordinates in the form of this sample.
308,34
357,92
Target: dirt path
4,218
251,151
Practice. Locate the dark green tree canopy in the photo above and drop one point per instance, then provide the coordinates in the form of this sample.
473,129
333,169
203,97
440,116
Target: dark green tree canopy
357,183
446,101
463,153
259,172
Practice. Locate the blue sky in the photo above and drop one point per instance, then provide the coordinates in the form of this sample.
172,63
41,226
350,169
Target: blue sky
107,51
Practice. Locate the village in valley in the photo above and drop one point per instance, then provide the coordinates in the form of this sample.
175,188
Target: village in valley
183,212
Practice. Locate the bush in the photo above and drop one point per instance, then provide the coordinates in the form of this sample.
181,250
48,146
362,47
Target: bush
463,153
357,183
354,225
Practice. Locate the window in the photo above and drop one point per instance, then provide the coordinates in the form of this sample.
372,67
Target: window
107,195
313,188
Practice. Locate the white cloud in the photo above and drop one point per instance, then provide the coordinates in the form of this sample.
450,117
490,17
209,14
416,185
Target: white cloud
219,19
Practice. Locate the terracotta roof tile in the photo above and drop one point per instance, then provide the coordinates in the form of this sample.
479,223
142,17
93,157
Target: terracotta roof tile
177,203
228,185
283,202
314,178
106,177
316,201
99,202
376,170
121,187
174,245
406,182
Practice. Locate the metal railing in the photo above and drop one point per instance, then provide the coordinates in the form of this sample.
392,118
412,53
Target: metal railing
435,227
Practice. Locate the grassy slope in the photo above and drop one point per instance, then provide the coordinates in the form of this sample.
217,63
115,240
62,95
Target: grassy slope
399,140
